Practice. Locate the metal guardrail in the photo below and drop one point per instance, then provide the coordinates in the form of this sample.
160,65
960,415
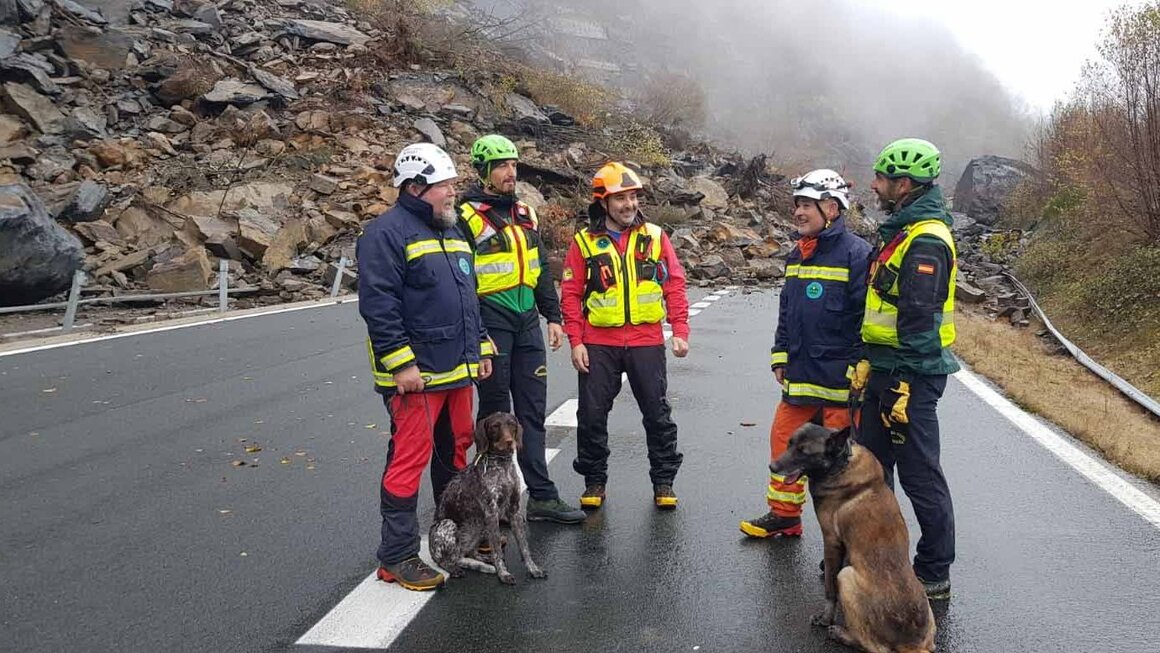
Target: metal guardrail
223,292
1129,390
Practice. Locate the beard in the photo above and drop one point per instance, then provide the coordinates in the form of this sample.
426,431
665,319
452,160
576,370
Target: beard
447,218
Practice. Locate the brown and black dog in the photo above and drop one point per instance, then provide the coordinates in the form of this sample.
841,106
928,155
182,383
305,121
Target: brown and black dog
884,605
478,499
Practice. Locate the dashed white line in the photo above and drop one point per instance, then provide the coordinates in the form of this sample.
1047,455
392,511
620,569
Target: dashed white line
565,415
701,305
375,613
1095,471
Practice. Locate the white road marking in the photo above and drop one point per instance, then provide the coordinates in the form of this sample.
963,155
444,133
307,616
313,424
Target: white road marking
694,311
701,305
184,325
375,613
713,298
1095,470
565,415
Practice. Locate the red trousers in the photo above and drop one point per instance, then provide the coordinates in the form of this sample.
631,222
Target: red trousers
786,499
443,421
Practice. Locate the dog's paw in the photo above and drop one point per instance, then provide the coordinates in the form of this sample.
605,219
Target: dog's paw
536,572
507,579
821,620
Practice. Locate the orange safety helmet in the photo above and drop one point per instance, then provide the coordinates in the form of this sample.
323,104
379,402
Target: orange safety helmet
614,178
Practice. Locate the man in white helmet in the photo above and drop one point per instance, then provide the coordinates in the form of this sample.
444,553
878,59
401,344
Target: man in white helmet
818,335
427,344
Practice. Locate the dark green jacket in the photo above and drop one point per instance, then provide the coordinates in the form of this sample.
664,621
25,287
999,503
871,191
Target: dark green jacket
920,296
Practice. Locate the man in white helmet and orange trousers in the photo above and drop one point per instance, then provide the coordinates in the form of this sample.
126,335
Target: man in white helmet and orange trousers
818,335
427,345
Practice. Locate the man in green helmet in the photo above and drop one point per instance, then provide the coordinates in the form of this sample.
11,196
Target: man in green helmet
907,329
515,288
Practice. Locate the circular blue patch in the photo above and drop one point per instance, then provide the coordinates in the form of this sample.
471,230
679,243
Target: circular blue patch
814,290
465,267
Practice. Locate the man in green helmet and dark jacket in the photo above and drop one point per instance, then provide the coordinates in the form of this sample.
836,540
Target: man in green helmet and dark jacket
515,288
907,329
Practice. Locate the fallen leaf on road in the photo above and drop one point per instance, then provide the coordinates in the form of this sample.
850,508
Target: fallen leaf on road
247,378
372,426
244,554
238,463
749,423
253,448
224,512
299,453
285,460
48,390
197,400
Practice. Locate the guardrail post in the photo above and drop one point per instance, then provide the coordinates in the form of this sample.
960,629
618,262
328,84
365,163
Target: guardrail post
223,285
74,294
338,276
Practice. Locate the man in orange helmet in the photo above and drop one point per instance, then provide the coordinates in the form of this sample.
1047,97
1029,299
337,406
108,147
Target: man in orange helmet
621,280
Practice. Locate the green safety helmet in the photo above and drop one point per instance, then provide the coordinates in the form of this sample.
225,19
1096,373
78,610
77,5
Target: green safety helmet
910,157
489,149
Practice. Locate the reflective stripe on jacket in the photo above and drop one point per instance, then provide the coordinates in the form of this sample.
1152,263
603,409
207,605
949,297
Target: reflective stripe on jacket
623,288
417,295
819,317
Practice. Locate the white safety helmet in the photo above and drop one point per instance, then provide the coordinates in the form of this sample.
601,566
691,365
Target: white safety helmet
822,184
425,164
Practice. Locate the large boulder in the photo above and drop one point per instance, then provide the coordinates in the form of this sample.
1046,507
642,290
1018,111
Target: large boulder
37,256
986,185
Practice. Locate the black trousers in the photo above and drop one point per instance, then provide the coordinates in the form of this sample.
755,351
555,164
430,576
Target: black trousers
519,378
648,379
916,454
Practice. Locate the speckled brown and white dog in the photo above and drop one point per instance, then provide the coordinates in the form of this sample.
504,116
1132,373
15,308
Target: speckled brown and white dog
478,499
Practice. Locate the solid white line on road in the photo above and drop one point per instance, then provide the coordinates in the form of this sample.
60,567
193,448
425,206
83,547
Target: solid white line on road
565,415
375,613
1096,471
184,325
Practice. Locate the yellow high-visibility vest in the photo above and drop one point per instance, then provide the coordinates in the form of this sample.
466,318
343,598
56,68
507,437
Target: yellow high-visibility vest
880,323
617,294
504,257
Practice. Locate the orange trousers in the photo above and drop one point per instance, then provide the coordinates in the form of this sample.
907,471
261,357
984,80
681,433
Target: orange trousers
786,499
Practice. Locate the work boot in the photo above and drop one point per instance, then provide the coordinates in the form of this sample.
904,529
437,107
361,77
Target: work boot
664,497
554,510
772,525
936,590
413,574
593,496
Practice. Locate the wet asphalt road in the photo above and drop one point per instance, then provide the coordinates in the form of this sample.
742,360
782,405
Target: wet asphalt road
125,524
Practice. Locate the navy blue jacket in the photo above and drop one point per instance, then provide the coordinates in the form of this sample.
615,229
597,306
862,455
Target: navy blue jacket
819,323
417,294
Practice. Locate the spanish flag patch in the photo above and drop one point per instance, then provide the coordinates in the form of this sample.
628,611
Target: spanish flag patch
925,268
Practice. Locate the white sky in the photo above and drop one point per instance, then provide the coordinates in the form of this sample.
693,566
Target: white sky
1035,47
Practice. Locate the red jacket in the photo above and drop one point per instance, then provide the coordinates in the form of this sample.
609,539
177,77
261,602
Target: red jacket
630,335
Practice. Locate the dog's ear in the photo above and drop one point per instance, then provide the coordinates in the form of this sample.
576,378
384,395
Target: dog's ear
519,435
839,438
481,439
